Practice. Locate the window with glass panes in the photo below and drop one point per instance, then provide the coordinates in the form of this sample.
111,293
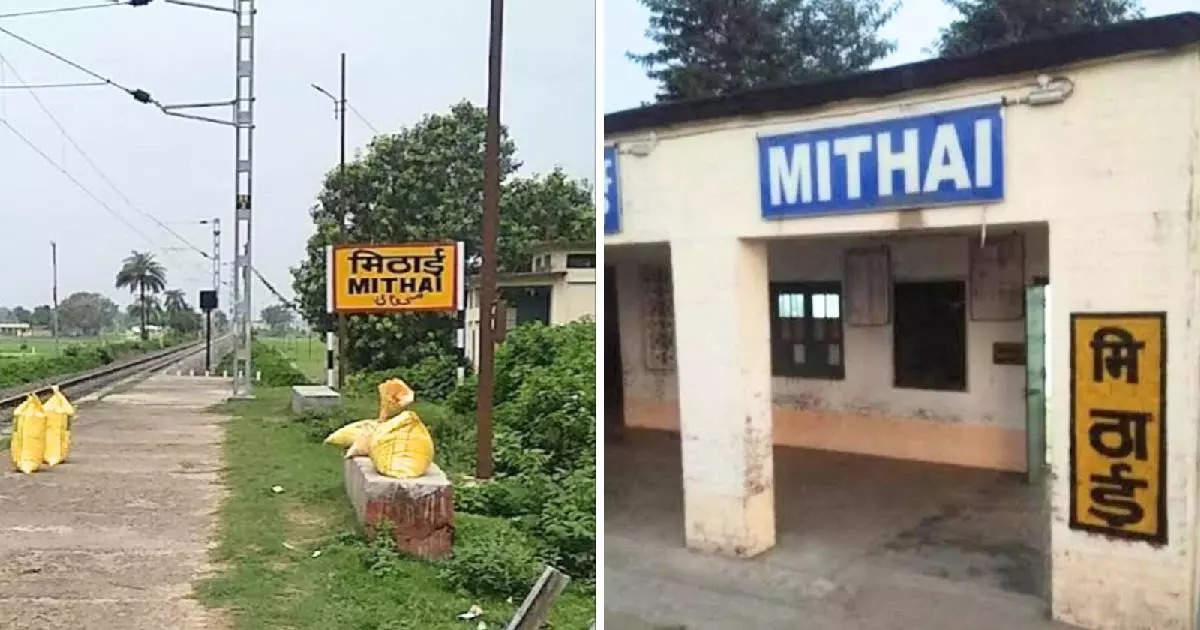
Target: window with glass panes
806,329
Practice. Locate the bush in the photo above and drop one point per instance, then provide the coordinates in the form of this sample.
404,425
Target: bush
545,442
491,556
73,358
276,369
566,526
433,377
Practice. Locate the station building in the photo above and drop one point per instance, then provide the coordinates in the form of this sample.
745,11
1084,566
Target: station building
988,262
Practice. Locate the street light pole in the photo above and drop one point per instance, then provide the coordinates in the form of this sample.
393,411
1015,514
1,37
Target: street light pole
339,113
342,338
487,275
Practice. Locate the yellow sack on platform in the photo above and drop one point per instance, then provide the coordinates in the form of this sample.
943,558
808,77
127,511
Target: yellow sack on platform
402,447
60,402
58,413
346,435
14,440
30,445
394,396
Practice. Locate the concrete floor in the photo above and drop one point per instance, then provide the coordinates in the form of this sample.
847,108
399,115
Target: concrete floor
862,542
114,538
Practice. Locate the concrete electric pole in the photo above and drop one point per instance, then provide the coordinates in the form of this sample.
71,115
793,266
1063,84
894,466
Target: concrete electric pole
243,125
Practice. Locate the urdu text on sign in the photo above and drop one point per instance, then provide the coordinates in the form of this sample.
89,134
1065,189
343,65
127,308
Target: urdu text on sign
1118,425
396,278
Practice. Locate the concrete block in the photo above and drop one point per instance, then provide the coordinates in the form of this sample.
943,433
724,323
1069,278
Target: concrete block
314,397
420,511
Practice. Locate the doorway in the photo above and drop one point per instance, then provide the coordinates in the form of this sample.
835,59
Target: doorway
614,398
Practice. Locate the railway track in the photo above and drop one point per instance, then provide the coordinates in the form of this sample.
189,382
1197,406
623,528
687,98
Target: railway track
84,383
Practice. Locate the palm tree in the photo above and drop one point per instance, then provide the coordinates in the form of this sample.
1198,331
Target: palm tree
141,273
175,302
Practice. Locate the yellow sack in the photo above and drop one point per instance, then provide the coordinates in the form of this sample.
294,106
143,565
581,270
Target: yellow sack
14,441
59,402
30,447
402,447
58,413
346,435
394,396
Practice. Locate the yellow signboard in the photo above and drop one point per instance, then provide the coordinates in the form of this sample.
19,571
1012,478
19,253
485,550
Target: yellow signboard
1118,424
395,278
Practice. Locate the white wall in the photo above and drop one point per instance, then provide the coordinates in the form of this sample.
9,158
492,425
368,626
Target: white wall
1112,171
994,394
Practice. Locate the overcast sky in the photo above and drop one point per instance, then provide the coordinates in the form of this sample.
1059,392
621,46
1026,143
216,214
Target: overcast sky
914,28
406,59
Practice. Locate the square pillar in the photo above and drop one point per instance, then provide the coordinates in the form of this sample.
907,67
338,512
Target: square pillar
722,339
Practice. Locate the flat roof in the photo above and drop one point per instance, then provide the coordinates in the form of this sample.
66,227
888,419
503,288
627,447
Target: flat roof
562,246
1160,33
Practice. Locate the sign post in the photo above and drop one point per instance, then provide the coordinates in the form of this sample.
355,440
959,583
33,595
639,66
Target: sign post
208,302
384,279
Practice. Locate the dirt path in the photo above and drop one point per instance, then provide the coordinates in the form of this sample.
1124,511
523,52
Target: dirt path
114,539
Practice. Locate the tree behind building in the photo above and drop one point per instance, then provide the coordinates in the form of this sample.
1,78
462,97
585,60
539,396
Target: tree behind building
717,47
984,24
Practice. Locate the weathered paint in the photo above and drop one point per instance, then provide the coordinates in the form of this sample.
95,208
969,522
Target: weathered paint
1114,179
1035,383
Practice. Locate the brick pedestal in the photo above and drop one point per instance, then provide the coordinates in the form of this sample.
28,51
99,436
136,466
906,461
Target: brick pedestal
420,511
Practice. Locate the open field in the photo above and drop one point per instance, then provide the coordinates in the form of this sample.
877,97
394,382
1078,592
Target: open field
48,346
308,353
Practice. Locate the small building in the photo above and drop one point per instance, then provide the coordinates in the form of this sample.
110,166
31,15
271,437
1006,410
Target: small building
559,288
15,329
987,262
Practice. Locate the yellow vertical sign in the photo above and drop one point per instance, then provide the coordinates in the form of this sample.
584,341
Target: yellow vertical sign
1118,424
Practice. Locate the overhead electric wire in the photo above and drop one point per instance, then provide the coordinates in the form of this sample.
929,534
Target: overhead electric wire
42,86
270,288
68,175
60,10
87,158
362,118
137,94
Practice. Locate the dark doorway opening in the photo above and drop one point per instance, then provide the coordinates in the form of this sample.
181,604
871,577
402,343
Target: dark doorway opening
930,343
614,392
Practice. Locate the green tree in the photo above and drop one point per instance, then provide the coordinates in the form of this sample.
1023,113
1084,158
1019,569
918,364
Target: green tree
140,273
278,317
984,24
425,183
717,47
150,314
84,313
180,315
42,316
22,314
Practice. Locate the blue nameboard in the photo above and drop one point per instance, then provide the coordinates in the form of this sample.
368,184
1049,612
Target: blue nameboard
954,156
612,196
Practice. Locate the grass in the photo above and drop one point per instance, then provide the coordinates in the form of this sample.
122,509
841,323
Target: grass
265,583
308,353
46,346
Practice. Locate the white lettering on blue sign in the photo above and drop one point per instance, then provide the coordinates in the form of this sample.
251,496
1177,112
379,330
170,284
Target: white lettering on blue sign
612,197
952,156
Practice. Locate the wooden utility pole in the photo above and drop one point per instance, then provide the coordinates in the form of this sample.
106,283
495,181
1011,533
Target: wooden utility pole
487,275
